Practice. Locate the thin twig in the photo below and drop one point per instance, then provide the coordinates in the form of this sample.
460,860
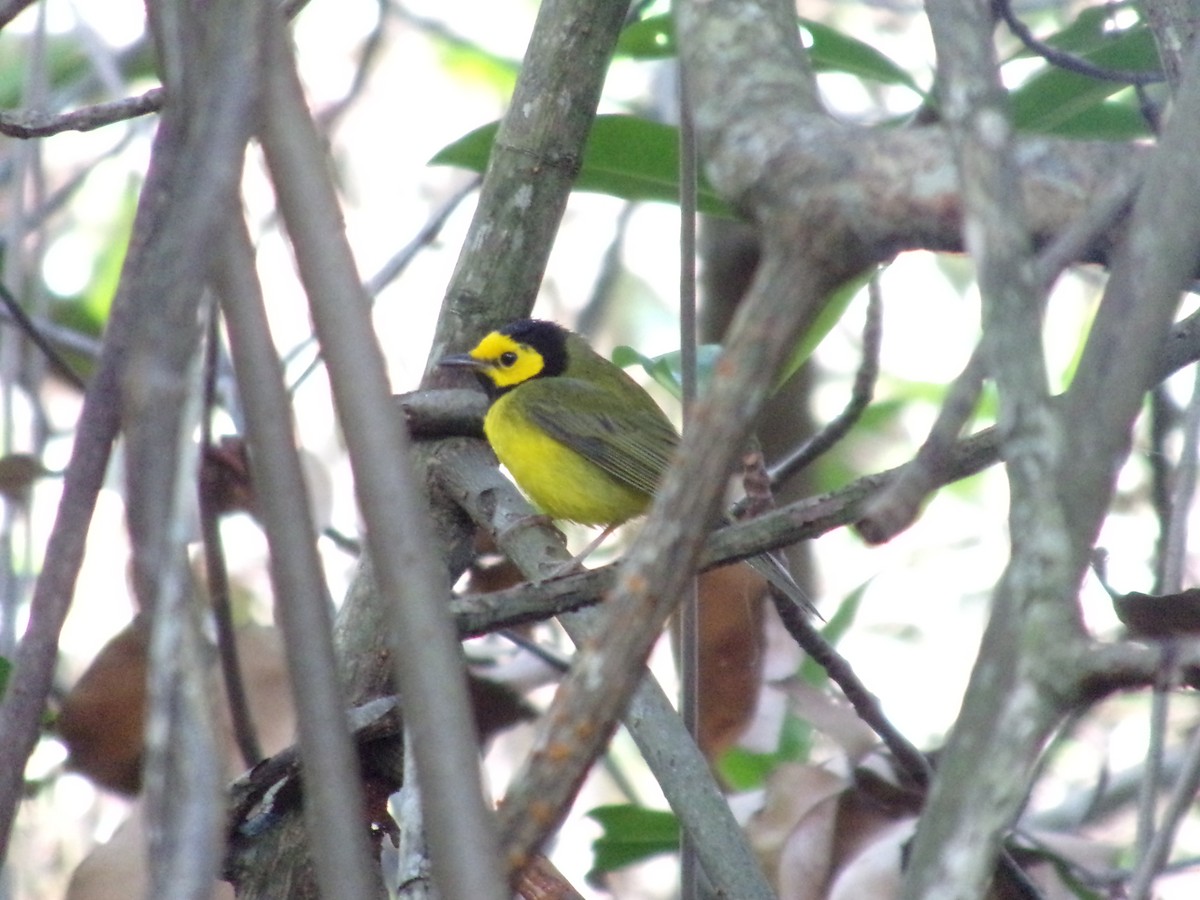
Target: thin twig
367,55
217,571
911,760
860,395
1151,855
1097,217
31,330
1069,61
608,274
392,269
1178,806
34,662
1182,495
88,118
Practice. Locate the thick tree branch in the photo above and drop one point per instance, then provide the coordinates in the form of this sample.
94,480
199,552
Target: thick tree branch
1034,627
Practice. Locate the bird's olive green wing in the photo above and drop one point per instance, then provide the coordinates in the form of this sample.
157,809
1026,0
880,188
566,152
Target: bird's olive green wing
632,441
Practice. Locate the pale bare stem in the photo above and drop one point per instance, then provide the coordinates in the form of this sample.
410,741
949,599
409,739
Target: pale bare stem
413,879
36,655
959,836
297,577
1182,494
413,580
212,73
29,686
1154,841
216,568
1097,219
689,612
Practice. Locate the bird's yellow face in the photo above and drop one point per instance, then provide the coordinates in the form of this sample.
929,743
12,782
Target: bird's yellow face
505,361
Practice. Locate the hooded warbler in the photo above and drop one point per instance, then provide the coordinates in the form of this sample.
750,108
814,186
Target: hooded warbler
580,437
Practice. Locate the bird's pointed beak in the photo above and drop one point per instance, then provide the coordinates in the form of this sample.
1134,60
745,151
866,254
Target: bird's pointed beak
460,361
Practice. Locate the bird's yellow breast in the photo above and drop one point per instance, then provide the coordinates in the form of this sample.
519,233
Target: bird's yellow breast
561,483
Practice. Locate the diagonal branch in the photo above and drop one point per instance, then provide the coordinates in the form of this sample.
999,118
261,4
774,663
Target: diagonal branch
426,659
468,474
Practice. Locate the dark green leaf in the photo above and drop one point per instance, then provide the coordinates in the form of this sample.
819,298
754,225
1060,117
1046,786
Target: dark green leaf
1091,30
667,369
625,156
835,629
649,38
829,50
834,51
1111,120
745,770
1054,97
5,671
630,834
831,313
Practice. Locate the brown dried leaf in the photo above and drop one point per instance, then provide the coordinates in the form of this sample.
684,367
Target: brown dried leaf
731,650
793,790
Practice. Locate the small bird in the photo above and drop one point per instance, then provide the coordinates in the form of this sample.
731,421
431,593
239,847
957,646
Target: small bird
580,437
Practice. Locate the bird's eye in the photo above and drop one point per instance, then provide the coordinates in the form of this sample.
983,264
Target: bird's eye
508,359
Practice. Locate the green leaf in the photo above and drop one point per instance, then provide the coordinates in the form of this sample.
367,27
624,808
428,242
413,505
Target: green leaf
835,629
632,833
626,157
829,50
1054,97
648,39
667,370
473,65
744,770
795,739
5,671
748,770
834,51
1115,119
831,313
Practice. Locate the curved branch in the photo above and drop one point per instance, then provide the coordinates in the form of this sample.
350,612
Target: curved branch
1069,61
